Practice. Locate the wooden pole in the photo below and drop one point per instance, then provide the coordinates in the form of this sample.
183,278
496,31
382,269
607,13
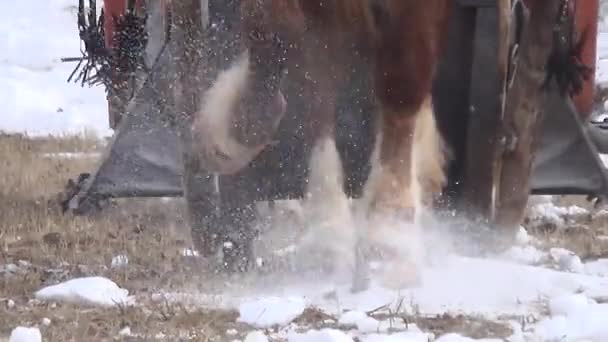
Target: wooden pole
523,114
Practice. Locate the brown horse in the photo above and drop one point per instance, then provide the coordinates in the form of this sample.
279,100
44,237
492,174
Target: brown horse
323,42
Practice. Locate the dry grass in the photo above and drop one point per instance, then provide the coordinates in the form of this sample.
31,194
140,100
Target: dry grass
586,235
56,247
51,247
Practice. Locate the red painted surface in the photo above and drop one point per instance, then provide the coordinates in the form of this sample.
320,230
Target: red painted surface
586,20
587,12
113,9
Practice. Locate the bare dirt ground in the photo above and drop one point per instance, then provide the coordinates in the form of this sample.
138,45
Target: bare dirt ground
49,247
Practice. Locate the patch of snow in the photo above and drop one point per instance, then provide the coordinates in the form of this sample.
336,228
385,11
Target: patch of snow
323,335
407,336
126,331
527,255
188,252
459,338
256,336
598,267
46,321
86,291
270,311
71,155
119,261
574,319
567,260
456,284
360,320
10,303
567,304
25,334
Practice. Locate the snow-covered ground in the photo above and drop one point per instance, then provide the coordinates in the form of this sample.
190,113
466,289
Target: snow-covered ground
564,295
540,294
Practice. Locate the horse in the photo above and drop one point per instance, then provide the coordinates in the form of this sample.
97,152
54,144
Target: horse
322,43
240,111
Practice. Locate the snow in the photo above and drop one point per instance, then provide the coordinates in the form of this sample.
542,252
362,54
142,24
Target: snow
96,291
459,338
574,318
567,260
266,312
25,334
119,261
490,288
46,321
409,336
256,336
71,155
34,93
323,335
563,305
548,212
525,254
476,286
597,267
360,320
188,252
126,331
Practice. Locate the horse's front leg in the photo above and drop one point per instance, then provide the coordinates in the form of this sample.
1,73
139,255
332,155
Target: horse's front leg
407,152
241,110
262,106
329,239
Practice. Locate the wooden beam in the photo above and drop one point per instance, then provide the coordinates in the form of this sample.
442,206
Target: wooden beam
523,115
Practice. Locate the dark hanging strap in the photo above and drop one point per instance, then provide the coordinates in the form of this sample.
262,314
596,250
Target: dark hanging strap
565,64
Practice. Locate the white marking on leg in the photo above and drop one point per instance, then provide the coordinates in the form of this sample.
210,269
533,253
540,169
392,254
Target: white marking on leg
211,126
330,227
429,156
